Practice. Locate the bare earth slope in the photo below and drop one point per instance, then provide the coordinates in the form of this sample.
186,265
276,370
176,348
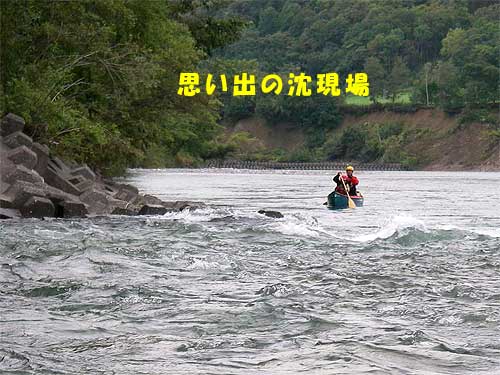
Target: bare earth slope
442,144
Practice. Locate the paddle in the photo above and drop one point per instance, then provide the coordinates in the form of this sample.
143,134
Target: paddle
350,202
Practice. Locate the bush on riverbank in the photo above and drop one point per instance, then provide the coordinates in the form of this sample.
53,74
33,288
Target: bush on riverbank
98,81
383,143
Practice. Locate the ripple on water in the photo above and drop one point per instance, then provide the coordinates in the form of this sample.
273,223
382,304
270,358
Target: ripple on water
226,290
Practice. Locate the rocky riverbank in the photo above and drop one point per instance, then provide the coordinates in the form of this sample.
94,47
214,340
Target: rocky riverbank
35,183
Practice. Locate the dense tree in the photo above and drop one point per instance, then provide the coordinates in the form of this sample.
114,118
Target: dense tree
445,53
475,53
392,39
399,78
98,80
376,74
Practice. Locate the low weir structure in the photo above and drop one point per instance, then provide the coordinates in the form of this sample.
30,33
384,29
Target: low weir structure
327,165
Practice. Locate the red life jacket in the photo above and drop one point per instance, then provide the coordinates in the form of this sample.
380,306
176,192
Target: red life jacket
349,181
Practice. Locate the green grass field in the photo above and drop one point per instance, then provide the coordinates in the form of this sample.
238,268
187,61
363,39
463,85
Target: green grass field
402,98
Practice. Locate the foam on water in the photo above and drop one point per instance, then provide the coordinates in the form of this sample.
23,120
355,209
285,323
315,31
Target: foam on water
204,264
489,232
295,226
401,286
300,224
198,215
394,225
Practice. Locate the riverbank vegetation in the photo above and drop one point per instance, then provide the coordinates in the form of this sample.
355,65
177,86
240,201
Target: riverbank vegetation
418,54
98,80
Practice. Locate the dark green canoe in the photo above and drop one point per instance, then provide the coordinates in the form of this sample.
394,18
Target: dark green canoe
336,200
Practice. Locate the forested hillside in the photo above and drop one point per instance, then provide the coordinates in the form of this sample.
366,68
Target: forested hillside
442,54
452,45
98,80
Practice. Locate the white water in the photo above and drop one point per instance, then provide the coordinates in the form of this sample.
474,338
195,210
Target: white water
407,284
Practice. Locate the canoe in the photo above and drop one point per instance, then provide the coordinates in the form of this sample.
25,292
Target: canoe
336,200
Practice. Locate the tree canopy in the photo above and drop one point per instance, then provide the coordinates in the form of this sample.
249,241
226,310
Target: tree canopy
392,40
98,79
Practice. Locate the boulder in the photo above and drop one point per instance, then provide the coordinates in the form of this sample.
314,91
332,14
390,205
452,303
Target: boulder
5,202
59,166
109,189
85,172
38,185
129,188
20,192
182,205
9,213
37,207
57,195
73,209
115,203
11,124
137,201
148,199
84,185
96,200
6,168
17,139
76,179
124,211
152,209
55,179
273,214
126,192
22,155
81,183
125,195
171,206
42,154
21,173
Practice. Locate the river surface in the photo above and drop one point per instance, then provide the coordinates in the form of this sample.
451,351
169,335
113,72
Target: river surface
407,284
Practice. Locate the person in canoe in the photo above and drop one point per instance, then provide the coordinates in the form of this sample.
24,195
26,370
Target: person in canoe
350,181
337,199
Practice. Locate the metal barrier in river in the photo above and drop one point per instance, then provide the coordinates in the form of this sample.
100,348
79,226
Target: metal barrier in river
247,164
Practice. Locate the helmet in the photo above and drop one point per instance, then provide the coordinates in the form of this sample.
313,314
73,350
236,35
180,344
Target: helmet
349,168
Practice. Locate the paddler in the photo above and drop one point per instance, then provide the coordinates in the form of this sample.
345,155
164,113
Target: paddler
349,179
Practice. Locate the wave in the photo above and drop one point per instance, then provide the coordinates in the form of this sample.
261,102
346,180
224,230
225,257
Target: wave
211,214
199,215
399,228
489,232
298,224
407,227
395,225
206,265
309,226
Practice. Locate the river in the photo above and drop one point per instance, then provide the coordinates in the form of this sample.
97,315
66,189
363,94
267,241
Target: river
407,284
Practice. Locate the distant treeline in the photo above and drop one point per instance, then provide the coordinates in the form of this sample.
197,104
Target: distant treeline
438,53
98,80
443,53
